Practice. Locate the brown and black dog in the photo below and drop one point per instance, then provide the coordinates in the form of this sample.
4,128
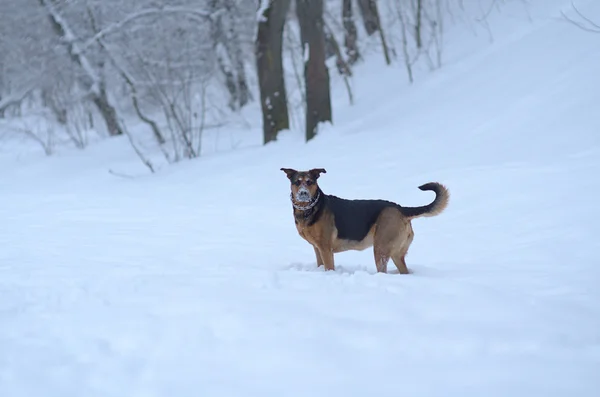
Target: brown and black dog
332,224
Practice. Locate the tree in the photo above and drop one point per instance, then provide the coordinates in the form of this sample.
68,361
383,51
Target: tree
229,54
269,61
370,14
351,34
316,74
418,23
92,78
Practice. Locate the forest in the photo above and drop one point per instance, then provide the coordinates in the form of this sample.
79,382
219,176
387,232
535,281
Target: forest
75,71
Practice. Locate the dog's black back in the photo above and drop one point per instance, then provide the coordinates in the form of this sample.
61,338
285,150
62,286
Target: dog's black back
354,218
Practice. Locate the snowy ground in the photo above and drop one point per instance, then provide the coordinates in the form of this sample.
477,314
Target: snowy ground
194,282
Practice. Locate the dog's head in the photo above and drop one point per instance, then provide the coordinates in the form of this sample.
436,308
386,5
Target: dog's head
304,183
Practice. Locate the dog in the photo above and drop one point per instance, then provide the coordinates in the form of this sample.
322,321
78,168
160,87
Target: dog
332,224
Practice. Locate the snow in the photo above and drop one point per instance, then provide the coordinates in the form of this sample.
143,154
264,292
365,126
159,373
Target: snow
263,5
193,281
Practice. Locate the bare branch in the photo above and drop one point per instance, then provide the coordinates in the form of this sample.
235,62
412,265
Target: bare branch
61,25
143,158
130,81
587,24
16,98
202,16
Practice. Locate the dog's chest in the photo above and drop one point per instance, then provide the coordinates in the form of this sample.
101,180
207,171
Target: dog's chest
304,231
309,233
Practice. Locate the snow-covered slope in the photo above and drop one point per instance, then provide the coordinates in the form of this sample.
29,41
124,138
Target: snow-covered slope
194,282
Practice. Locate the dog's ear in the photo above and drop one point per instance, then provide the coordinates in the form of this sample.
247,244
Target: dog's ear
316,172
289,172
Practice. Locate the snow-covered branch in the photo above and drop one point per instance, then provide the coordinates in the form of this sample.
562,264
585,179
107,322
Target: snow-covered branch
15,98
70,40
195,14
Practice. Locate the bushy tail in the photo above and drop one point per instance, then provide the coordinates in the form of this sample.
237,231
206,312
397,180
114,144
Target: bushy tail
436,207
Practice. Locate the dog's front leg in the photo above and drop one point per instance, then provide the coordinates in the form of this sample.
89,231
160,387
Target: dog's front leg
327,256
318,255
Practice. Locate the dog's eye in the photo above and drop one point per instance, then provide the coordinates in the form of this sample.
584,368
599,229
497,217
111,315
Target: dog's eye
297,183
309,182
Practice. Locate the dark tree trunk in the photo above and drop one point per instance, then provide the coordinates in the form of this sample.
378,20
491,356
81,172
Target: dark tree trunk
368,10
351,34
136,105
1,87
370,14
316,74
108,112
269,47
342,66
418,24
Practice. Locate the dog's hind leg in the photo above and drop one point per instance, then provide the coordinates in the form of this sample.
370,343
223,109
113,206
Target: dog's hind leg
405,239
381,259
400,264
385,238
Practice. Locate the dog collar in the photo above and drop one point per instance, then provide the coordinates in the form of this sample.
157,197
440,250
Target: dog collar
305,207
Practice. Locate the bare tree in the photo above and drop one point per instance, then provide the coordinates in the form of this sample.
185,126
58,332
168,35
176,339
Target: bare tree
408,59
350,32
343,67
369,13
169,81
72,65
316,74
418,23
92,78
228,51
269,61
2,89
372,22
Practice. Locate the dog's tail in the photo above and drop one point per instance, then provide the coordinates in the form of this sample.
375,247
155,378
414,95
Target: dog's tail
439,204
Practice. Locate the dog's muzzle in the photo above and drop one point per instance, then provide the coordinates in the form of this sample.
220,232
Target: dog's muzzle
303,195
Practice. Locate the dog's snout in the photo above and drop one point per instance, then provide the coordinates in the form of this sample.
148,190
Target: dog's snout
303,194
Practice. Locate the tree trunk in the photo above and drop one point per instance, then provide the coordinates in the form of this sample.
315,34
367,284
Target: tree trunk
370,14
351,34
1,87
316,74
269,62
227,45
235,53
368,10
418,24
342,66
108,112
